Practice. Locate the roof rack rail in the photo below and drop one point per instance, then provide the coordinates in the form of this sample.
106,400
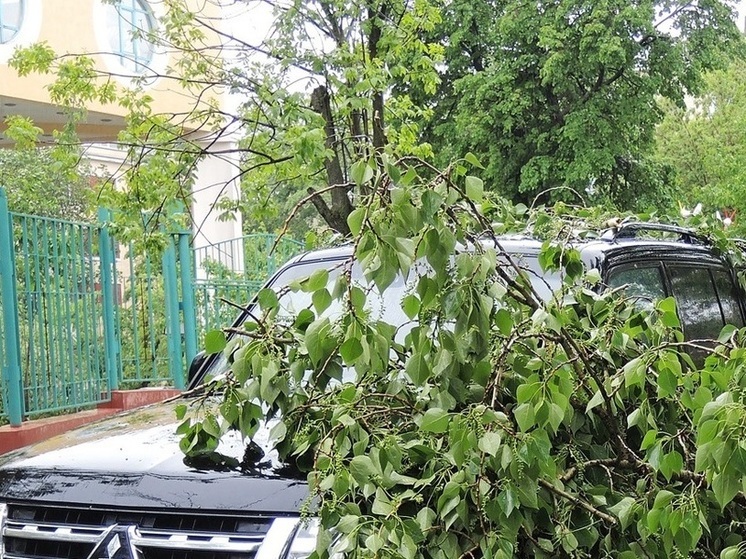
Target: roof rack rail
740,243
632,229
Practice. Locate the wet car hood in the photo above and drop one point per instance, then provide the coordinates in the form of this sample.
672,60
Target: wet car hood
133,460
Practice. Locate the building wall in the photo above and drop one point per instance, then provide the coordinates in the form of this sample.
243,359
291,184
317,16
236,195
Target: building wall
80,27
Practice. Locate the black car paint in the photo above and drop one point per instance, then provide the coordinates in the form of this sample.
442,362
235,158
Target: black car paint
133,460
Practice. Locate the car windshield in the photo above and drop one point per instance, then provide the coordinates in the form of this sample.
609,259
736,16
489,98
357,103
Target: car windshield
381,307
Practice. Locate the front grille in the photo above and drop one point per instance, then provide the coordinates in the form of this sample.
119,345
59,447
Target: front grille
54,532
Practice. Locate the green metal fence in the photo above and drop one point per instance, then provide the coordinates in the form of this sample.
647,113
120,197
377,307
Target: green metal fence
155,343
83,315
79,320
231,272
60,307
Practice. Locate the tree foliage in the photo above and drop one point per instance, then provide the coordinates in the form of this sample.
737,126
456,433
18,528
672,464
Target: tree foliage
307,101
565,94
495,423
705,143
558,97
44,181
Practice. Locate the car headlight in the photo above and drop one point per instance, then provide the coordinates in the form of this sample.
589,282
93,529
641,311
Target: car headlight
304,539
3,519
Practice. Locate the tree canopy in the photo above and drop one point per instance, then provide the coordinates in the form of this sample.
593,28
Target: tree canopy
705,144
565,94
558,97
44,181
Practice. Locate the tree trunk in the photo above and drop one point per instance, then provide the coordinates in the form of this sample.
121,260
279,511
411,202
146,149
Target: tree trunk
335,214
379,134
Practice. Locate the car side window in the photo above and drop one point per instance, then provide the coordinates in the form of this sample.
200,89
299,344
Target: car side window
642,282
697,302
729,297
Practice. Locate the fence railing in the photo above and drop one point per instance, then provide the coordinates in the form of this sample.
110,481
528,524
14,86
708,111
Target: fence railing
79,321
230,273
83,315
62,311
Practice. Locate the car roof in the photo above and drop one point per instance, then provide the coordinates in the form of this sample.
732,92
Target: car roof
593,250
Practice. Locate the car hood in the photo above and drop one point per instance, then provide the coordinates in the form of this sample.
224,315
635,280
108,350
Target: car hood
133,460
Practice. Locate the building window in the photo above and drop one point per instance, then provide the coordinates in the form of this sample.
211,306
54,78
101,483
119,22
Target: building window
129,22
11,16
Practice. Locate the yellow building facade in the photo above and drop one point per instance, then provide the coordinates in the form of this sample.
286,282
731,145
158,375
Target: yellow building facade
111,33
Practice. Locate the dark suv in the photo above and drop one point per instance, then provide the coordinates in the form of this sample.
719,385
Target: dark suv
121,488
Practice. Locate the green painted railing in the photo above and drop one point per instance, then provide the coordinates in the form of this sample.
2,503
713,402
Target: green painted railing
80,320
83,315
230,273
58,270
155,316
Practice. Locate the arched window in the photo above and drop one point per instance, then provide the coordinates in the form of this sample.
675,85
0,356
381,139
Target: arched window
11,17
128,24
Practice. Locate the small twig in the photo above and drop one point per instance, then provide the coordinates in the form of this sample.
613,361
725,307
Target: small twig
579,502
253,335
604,462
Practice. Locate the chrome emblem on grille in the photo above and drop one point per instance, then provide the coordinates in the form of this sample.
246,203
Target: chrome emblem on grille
116,543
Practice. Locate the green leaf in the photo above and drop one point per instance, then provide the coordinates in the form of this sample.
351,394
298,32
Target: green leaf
725,486
278,432
623,510
597,400
662,499
417,369
667,308
634,372
524,415
474,188
672,463
556,416
348,523
180,411
355,220
361,172
426,518
382,504
317,338
321,299
435,420
411,306
667,383
471,158
490,442
374,543
727,333
267,299
318,279
215,341
362,469
504,321
350,350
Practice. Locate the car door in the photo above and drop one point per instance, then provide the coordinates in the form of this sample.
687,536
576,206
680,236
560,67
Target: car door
706,294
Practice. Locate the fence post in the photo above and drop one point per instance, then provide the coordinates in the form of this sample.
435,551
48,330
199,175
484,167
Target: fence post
106,262
8,295
187,297
173,330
